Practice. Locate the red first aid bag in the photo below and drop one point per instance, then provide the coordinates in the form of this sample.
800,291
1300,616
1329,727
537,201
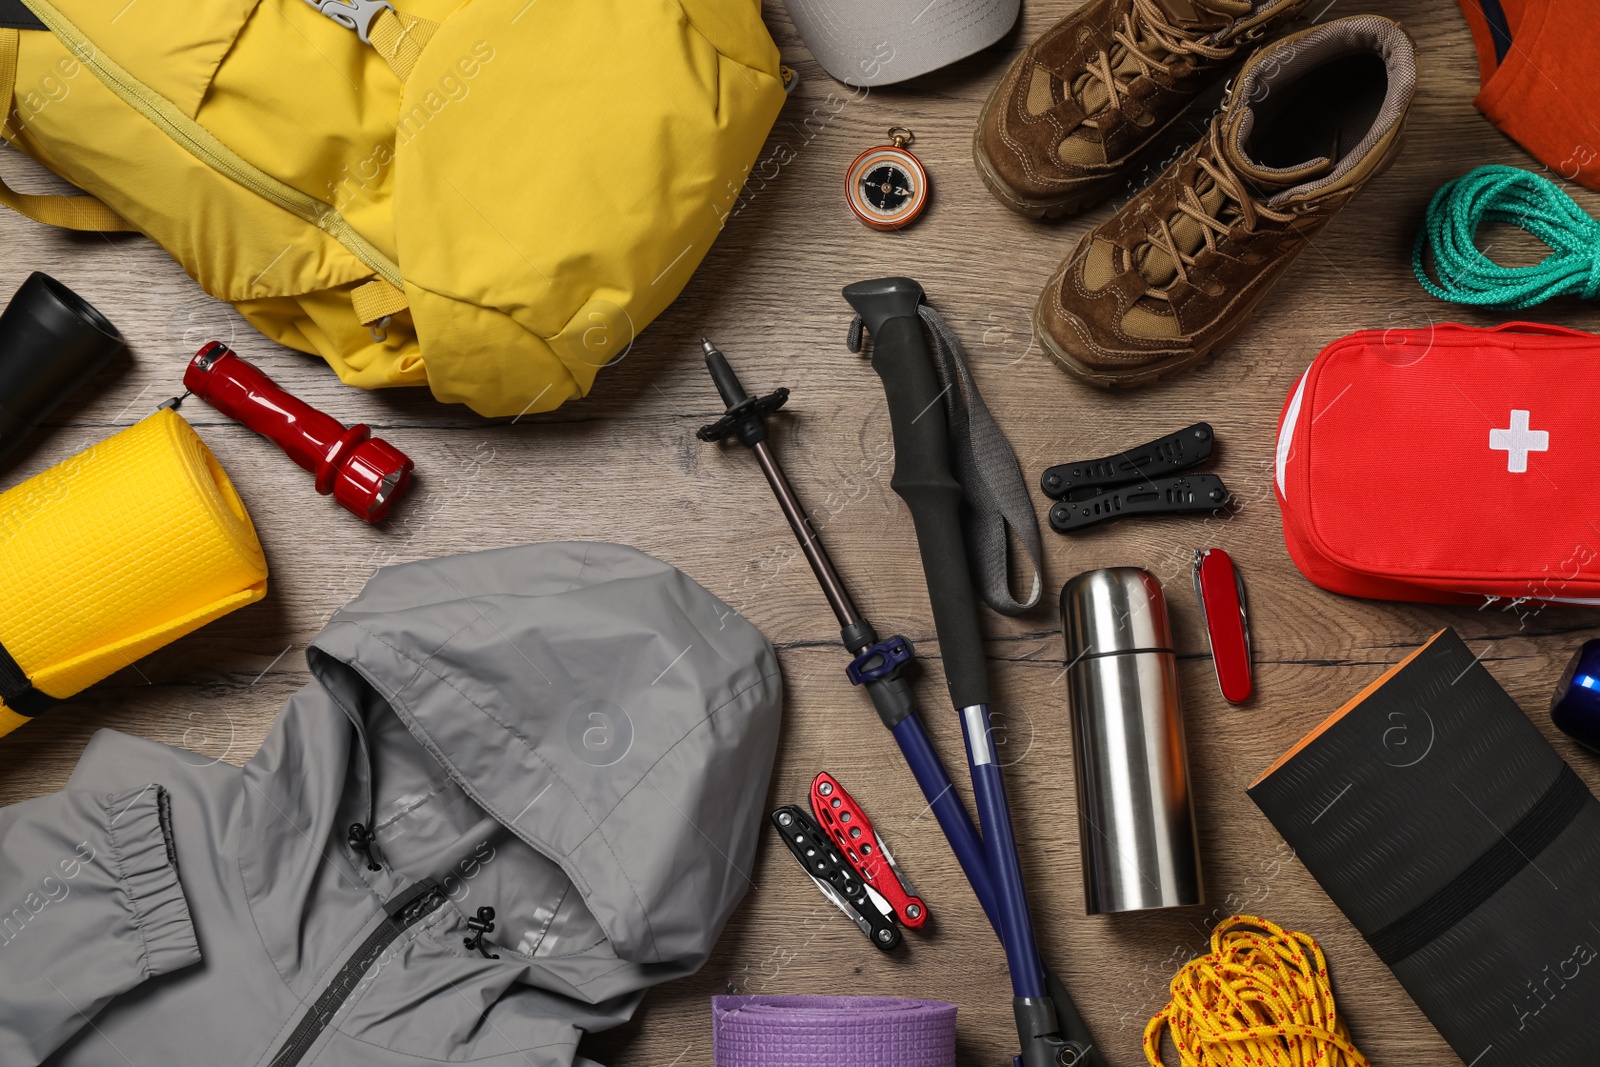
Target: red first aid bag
1448,464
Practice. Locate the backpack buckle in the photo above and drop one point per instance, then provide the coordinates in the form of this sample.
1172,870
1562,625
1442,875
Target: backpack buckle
354,15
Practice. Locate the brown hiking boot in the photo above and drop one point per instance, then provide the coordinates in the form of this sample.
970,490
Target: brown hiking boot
1059,130
1177,272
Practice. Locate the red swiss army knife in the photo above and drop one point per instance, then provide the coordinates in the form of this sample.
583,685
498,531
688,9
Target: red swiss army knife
850,829
1221,592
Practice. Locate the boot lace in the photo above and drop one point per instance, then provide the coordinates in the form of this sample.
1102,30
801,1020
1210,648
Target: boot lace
1151,42
1213,224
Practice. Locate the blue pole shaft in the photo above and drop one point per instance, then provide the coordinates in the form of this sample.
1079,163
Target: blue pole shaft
1000,850
947,807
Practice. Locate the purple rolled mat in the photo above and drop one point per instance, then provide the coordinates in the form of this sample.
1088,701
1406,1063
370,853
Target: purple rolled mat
832,1032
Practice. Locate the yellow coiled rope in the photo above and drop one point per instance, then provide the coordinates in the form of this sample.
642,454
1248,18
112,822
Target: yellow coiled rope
1260,999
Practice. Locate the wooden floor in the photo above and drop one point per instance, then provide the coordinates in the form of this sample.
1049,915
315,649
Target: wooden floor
624,466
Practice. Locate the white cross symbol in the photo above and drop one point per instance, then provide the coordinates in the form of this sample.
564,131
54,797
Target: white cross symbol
1517,441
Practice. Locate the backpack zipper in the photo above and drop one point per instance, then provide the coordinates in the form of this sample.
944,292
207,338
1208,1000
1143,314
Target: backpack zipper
204,146
404,912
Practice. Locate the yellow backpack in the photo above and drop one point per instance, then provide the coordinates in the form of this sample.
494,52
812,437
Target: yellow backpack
489,196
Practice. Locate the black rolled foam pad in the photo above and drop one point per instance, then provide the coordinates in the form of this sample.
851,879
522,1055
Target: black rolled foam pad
1461,846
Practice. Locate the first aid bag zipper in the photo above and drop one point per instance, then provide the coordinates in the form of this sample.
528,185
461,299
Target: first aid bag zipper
200,143
404,912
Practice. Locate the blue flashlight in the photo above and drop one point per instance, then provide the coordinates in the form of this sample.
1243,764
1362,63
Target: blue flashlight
1575,709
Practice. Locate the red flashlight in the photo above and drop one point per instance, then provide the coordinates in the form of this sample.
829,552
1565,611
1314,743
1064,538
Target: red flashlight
365,474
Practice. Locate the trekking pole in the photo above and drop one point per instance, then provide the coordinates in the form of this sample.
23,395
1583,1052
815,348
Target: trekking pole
1051,1031
877,665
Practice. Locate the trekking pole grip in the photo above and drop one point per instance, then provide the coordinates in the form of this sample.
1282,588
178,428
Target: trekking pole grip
922,476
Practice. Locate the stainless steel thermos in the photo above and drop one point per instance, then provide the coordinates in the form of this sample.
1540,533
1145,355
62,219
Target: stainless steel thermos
1135,820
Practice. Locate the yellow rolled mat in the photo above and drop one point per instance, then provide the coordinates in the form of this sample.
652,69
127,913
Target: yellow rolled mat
121,549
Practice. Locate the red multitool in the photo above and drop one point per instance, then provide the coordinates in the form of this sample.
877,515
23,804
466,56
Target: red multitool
848,826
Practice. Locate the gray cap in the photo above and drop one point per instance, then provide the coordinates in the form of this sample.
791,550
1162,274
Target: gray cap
880,42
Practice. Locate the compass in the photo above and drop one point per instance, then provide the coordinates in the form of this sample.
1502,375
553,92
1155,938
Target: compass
887,186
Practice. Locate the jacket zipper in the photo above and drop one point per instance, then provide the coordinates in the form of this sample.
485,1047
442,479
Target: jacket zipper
204,146
404,912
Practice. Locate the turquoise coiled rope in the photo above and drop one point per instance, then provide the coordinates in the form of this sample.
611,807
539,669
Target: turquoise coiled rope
1533,202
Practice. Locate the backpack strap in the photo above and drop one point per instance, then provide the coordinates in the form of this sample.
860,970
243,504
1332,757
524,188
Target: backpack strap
397,37
400,39
377,300
66,212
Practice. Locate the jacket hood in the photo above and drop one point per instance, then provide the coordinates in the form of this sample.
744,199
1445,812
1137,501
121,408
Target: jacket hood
577,735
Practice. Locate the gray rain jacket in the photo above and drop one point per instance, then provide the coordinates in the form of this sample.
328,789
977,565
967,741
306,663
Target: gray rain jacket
575,735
